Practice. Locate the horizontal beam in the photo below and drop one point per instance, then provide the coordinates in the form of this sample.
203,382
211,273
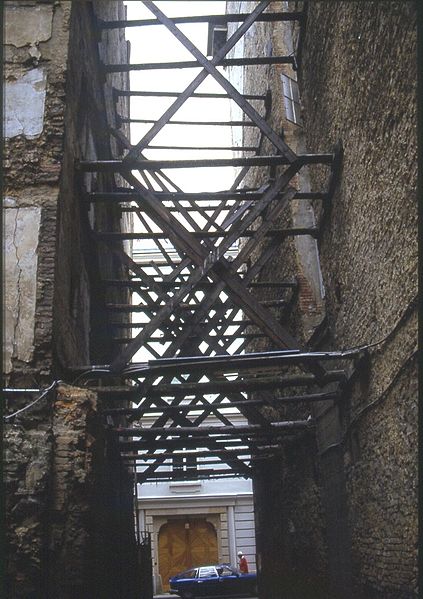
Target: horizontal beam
138,325
194,64
234,363
112,236
193,475
166,462
209,148
183,389
195,454
273,401
216,19
234,431
99,196
212,338
187,307
169,285
195,123
159,94
153,165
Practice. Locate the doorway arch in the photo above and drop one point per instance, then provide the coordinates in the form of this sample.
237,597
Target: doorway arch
183,544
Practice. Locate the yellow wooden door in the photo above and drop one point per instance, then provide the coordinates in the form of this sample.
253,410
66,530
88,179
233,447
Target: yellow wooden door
185,544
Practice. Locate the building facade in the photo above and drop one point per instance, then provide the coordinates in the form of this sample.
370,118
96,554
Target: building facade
195,523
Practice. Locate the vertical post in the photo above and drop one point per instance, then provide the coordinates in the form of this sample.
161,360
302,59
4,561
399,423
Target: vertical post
136,509
232,535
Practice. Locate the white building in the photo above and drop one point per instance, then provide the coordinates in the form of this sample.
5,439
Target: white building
197,522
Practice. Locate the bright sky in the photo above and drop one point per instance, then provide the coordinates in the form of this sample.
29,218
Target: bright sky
157,44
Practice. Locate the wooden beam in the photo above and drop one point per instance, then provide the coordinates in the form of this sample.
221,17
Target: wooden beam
292,232
167,94
194,64
116,166
209,68
205,263
222,197
215,19
181,431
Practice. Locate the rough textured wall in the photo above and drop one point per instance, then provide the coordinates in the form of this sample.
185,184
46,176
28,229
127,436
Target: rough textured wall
56,103
35,66
358,83
68,505
81,331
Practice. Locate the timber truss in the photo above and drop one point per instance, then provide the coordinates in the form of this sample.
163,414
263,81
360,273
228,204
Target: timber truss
194,306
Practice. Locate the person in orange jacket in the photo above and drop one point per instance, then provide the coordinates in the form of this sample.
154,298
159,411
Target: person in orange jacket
242,563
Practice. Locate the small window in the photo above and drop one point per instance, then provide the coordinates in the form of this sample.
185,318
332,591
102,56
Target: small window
188,574
207,573
291,98
217,36
226,571
187,463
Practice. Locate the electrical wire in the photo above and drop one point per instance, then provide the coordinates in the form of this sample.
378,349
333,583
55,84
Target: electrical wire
36,400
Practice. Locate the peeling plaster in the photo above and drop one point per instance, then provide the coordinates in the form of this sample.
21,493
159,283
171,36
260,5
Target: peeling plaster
22,226
24,105
27,26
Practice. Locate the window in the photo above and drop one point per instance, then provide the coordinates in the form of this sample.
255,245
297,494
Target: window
207,572
291,98
226,571
217,35
185,463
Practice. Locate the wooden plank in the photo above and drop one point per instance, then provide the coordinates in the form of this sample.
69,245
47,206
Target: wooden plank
168,94
194,431
216,19
193,64
281,233
215,387
130,195
153,165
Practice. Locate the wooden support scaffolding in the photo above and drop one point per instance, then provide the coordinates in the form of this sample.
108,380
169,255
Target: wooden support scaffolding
197,313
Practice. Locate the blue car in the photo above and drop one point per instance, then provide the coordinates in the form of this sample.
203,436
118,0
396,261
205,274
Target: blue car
213,581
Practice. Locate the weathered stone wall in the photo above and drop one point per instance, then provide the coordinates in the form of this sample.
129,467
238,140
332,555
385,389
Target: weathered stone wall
68,505
81,331
57,99
358,82
350,499
58,106
35,65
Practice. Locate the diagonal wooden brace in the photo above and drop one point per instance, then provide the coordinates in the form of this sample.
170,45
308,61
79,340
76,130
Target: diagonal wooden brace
209,68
